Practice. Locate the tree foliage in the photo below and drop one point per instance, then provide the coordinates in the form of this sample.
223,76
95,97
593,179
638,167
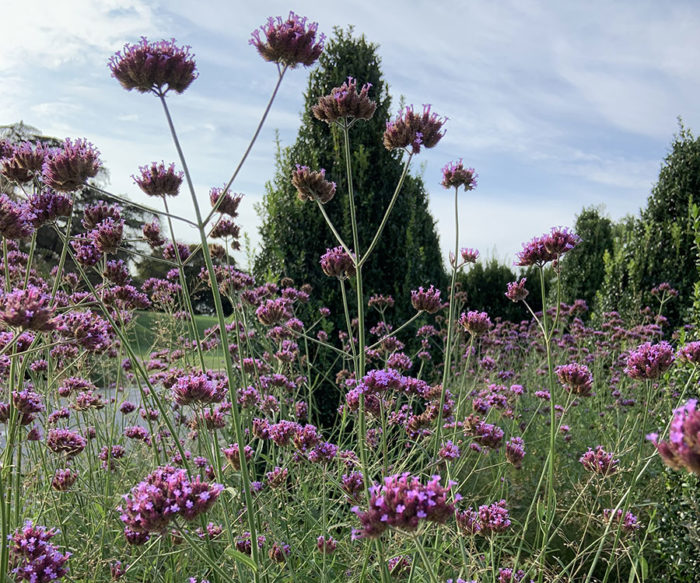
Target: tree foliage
295,234
583,268
659,246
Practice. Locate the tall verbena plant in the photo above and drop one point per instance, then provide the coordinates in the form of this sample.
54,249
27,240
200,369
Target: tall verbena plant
495,452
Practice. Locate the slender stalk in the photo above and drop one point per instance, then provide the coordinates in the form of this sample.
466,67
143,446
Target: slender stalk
450,330
250,145
235,410
378,234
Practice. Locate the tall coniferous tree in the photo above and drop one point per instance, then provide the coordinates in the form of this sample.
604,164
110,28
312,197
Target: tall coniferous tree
295,234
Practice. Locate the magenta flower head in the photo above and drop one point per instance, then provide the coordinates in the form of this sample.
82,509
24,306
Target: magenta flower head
154,66
414,130
599,461
312,185
455,175
576,378
288,42
649,361
47,206
516,290
469,255
193,389
476,323
402,502
157,180
33,558
230,203
16,220
345,102
67,168
337,263
26,161
272,312
426,300
682,450
689,353
151,232
548,247
65,441
28,309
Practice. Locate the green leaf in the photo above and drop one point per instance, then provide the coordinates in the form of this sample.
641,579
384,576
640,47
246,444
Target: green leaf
242,558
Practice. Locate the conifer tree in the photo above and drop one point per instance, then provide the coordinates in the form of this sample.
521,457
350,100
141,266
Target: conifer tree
295,234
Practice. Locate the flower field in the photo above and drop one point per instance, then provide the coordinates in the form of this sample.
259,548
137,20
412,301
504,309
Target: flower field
144,442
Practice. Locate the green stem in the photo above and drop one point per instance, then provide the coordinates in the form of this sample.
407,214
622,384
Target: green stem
235,410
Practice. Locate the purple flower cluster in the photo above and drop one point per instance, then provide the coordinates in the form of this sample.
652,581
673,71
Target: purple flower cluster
312,185
489,519
515,451
33,558
599,461
192,389
455,175
576,378
426,300
288,42
345,102
67,168
476,323
16,220
630,522
154,66
649,361
516,290
414,130
690,353
157,180
548,247
402,502
682,450
163,495
337,263
65,441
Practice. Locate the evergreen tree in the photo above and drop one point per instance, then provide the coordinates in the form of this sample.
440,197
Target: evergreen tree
659,246
295,234
583,268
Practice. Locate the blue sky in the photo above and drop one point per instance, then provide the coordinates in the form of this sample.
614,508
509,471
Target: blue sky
557,105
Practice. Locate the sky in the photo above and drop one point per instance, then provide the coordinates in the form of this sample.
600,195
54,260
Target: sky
557,105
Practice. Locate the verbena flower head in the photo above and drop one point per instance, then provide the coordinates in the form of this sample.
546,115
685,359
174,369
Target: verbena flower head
272,312
469,255
402,502
682,450
476,323
230,203
515,451
16,220
337,263
345,102
63,479
548,247
516,290
312,185
414,130
649,361
27,309
599,461
154,66
163,495
65,441
455,175
157,180
33,558
67,168
191,389
630,523
26,162
288,42
426,300
576,378
689,353
47,206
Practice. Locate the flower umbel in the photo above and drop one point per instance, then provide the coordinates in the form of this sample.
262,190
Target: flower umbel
345,102
157,180
312,185
455,175
414,130
154,66
288,42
